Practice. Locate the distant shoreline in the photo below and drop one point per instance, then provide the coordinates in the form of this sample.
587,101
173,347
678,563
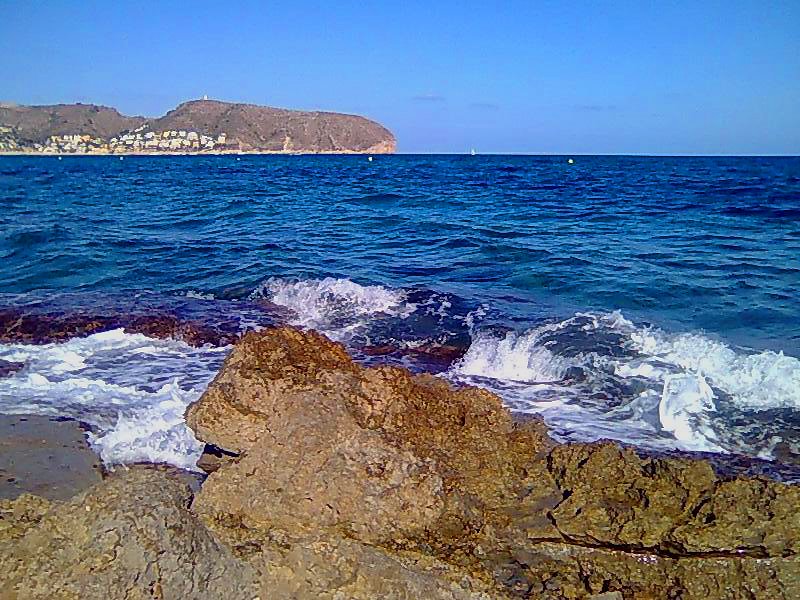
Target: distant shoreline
375,153
195,126
221,153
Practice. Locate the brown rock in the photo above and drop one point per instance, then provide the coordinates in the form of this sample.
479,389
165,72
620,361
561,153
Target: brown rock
18,326
406,466
168,326
130,537
375,453
673,506
430,357
333,568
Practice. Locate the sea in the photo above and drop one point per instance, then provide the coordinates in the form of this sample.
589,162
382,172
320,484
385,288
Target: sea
650,300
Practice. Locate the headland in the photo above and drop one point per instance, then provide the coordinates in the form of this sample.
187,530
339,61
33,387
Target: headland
194,127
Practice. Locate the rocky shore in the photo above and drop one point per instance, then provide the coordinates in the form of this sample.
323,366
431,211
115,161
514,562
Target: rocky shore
331,480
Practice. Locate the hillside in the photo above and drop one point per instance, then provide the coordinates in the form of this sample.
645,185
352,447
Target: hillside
37,123
275,129
194,126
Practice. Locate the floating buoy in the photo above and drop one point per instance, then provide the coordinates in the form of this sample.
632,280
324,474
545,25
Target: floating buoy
121,157
570,161
237,158
59,158
370,159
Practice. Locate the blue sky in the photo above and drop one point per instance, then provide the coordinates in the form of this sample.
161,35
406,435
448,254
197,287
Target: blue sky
554,77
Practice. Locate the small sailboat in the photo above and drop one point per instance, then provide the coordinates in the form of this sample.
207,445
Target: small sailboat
472,152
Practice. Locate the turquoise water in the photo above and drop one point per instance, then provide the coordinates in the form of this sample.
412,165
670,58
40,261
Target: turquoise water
653,300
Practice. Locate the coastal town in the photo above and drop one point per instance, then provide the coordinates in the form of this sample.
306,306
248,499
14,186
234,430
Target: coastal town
8,142
137,141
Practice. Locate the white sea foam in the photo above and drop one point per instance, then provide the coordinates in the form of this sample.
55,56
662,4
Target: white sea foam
683,375
513,357
131,389
755,381
337,307
655,389
195,295
685,401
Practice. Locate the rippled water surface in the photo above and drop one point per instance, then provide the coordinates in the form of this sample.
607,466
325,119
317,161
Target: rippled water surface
652,300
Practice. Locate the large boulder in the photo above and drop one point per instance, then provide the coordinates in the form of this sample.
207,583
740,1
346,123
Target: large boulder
376,454
131,536
404,468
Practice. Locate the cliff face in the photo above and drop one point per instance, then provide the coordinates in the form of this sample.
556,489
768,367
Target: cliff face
195,126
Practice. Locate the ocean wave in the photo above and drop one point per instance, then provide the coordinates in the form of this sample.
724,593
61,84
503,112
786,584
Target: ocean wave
336,307
513,357
130,390
599,375
756,381
593,375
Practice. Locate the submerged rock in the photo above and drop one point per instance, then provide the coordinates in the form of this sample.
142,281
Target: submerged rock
9,368
34,327
406,468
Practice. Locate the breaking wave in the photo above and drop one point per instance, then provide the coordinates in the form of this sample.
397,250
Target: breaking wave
513,357
337,307
758,380
131,390
598,375
591,376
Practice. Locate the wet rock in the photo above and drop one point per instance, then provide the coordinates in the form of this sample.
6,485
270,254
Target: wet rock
168,326
9,368
431,357
213,458
18,326
33,327
405,466
131,536
45,456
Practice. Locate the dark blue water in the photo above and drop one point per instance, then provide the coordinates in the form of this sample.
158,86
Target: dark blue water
522,260
708,243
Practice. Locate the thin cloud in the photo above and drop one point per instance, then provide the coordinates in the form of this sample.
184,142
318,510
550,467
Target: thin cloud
484,105
596,107
429,98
